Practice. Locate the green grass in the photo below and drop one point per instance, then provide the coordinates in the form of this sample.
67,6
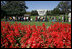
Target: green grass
32,23
35,23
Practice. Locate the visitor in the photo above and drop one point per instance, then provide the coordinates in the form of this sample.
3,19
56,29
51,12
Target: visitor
38,18
29,18
10,18
46,18
18,18
59,19
69,19
22,18
13,18
50,19
4,17
64,18
26,18
41,19
55,19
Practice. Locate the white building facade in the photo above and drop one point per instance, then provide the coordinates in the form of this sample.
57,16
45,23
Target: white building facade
42,12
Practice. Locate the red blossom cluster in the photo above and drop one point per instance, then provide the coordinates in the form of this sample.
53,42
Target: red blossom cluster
16,35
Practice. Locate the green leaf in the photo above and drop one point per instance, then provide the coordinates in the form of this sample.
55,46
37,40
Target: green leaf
49,46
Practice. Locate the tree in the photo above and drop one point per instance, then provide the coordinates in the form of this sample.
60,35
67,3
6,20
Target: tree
28,12
34,13
64,6
14,7
48,13
56,11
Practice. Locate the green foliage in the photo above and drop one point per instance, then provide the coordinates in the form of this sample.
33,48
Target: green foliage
48,13
34,13
28,13
14,7
56,11
64,6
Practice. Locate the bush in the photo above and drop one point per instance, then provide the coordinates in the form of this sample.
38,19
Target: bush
58,35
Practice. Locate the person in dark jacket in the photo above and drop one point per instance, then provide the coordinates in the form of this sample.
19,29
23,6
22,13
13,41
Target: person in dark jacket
36,19
64,18
29,18
46,18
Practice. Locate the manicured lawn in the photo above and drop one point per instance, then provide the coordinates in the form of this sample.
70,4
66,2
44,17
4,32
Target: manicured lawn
35,23
31,23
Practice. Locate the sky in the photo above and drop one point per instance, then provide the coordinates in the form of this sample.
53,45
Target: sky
34,5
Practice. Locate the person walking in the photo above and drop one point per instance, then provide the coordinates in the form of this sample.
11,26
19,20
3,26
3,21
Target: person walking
64,18
59,18
69,15
18,18
10,18
29,18
50,19
36,19
46,18
43,19
40,18
24,18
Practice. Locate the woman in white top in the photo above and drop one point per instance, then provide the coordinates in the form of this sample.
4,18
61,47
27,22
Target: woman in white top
38,18
13,18
24,18
69,17
62,19
27,18
31,19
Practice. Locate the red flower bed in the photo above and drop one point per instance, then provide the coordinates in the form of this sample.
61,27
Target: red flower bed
16,35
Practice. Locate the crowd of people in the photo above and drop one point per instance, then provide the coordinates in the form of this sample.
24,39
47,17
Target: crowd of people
49,19
37,18
22,18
